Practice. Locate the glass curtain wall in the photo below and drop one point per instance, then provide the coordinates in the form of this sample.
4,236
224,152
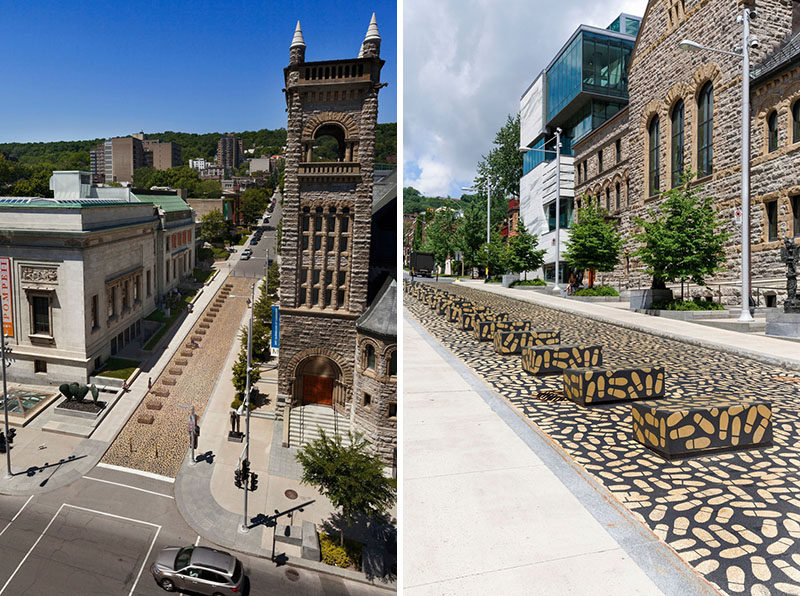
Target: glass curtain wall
566,214
564,79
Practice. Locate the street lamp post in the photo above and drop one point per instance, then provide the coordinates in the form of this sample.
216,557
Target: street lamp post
556,288
747,43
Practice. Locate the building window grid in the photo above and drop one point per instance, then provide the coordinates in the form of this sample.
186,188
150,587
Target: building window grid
324,284
677,143
705,126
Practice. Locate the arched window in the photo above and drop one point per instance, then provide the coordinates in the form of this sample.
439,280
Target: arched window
677,143
393,363
617,196
796,122
705,126
654,185
772,131
369,357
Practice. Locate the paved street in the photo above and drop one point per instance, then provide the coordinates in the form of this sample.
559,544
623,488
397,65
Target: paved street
732,516
99,535
255,265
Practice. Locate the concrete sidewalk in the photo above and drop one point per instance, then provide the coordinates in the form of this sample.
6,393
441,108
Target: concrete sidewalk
491,505
770,350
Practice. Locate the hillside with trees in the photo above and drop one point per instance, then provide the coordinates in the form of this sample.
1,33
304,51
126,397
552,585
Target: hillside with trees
25,168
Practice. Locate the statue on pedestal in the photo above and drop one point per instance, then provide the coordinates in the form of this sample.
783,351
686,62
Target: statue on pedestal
789,255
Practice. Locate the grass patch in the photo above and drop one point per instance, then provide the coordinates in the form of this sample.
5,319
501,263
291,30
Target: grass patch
493,280
528,282
118,368
201,276
166,322
696,304
345,556
597,291
220,253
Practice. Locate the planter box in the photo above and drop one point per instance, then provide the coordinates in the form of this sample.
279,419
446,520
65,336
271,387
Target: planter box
59,409
106,382
644,299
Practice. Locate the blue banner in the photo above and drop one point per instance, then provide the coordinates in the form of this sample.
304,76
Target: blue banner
276,323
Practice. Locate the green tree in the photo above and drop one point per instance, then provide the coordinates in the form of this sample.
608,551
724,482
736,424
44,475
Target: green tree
471,235
494,255
240,373
441,234
522,251
503,168
273,278
594,242
209,189
254,202
214,228
683,239
348,475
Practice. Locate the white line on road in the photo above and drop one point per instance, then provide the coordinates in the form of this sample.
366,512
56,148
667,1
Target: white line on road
25,558
151,492
50,523
137,472
196,542
16,516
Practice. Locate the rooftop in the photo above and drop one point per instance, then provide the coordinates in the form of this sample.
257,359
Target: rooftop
784,55
381,316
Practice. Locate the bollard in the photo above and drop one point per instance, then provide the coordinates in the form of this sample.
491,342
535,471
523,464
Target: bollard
130,443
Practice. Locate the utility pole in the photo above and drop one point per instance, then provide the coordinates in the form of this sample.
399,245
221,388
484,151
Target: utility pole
246,403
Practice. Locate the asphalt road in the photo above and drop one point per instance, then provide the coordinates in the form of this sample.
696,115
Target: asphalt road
255,265
100,535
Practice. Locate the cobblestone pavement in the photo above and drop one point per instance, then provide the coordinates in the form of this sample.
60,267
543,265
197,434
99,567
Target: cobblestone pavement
734,516
160,447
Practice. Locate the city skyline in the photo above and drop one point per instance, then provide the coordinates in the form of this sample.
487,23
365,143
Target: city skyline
161,66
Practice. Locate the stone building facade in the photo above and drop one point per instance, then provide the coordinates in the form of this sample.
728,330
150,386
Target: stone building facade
684,114
327,222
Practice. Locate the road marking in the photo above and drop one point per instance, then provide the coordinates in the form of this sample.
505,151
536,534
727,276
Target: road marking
151,492
137,472
16,516
196,542
50,523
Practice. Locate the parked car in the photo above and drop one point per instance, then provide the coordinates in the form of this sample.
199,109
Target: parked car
245,256
254,240
199,570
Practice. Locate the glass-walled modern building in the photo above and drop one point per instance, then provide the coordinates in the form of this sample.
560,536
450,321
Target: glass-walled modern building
584,85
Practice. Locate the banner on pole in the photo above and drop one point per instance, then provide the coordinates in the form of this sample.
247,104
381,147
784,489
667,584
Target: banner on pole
5,296
276,324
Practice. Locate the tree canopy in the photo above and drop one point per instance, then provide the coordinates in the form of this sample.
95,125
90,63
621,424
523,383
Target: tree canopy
213,227
523,255
594,242
503,168
683,239
441,236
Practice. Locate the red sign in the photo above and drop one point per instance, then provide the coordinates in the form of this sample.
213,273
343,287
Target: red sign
5,296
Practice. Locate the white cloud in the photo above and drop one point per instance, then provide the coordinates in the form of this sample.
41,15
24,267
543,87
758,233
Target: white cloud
466,66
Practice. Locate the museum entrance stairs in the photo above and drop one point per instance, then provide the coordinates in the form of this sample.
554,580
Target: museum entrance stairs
306,421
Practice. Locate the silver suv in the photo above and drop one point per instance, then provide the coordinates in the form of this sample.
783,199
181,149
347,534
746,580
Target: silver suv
198,569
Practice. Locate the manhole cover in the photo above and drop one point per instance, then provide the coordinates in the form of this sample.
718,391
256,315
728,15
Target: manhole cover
292,575
290,494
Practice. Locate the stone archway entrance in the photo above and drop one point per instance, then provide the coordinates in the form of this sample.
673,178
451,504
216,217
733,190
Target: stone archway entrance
317,378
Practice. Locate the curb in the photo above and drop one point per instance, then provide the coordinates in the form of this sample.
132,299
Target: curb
703,343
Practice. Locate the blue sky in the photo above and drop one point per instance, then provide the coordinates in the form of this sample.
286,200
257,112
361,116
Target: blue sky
82,70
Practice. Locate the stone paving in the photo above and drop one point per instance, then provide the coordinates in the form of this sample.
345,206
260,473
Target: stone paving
188,380
734,516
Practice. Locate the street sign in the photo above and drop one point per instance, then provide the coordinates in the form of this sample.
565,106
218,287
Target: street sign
276,324
737,216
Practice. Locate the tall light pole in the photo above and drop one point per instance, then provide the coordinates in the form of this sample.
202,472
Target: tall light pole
488,214
558,199
744,54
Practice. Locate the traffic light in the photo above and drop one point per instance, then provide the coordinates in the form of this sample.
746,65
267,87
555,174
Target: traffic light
245,469
12,432
195,437
237,478
3,446
253,481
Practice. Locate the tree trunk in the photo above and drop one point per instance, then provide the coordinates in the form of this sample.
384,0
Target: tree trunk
591,278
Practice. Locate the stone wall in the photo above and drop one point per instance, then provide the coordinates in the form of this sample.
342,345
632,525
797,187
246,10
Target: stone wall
660,74
379,428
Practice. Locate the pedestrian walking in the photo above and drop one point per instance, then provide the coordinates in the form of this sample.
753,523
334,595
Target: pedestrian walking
149,383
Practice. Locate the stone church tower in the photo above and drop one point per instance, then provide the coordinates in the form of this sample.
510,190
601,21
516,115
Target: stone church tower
327,208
